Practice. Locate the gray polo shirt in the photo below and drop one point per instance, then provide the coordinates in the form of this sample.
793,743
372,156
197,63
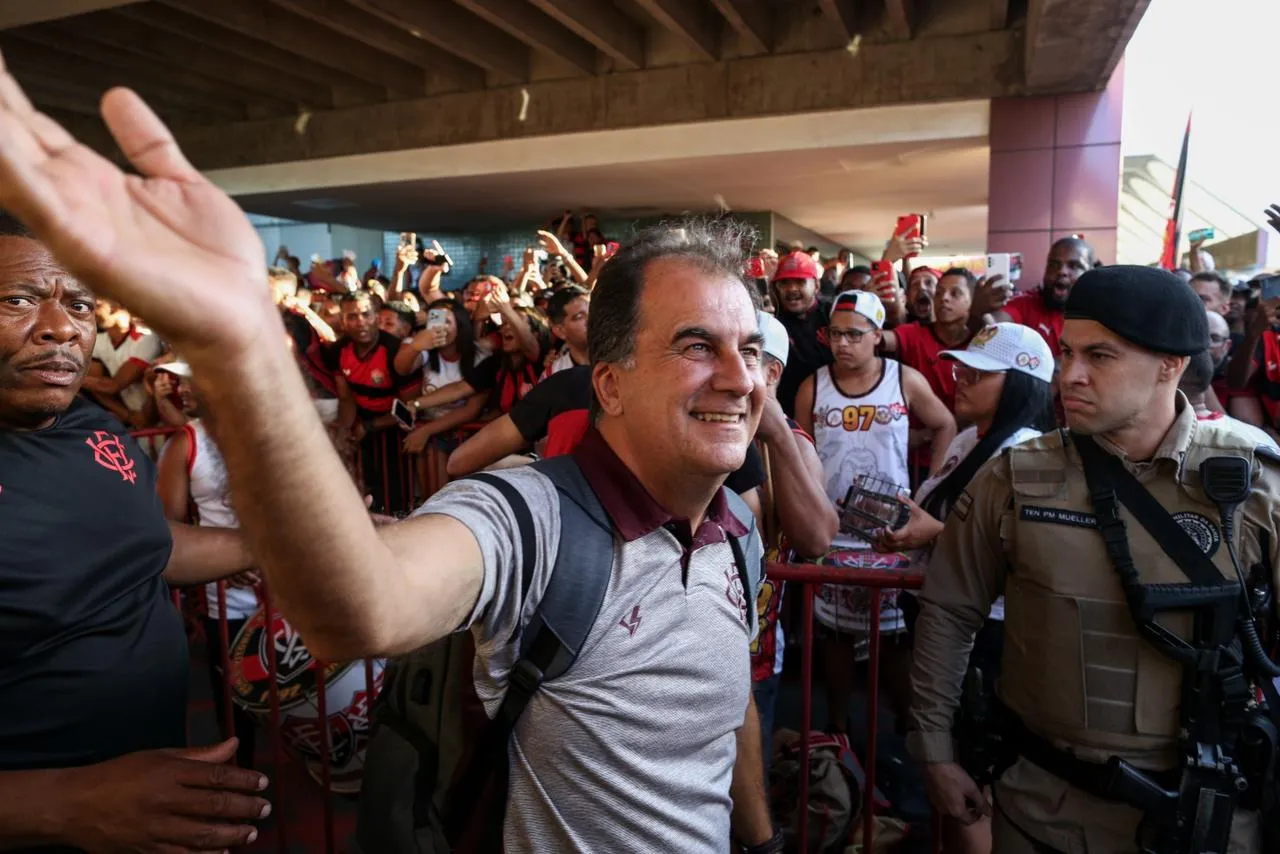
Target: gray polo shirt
633,749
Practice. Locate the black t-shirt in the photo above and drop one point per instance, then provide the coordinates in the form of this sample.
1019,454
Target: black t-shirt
93,656
809,350
750,475
558,408
506,387
299,330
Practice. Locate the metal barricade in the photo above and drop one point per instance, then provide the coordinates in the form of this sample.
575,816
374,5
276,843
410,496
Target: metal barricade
807,577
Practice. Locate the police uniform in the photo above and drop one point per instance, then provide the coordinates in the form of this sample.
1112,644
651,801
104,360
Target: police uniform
1075,670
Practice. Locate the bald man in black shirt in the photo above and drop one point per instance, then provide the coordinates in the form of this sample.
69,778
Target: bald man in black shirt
93,657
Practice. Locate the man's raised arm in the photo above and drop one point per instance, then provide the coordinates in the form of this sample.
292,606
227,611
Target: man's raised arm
150,241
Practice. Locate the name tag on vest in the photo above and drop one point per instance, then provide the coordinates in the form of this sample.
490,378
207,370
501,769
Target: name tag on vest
1058,516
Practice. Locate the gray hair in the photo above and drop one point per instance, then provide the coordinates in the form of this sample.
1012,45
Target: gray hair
719,246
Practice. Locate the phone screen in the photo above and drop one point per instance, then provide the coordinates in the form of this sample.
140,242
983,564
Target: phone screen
1270,288
403,414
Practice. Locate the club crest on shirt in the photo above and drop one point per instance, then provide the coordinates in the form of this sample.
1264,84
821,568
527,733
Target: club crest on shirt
109,452
378,378
735,593
1202,531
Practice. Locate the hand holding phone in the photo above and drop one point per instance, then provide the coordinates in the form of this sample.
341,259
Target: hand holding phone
911,230
999,265
403,414
1269,288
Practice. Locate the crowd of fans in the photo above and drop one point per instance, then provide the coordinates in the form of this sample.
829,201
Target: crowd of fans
905,379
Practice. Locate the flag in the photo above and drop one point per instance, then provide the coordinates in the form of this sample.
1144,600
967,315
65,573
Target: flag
1173,228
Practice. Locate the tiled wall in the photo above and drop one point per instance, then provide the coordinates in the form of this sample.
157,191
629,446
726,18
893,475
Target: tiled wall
1055,170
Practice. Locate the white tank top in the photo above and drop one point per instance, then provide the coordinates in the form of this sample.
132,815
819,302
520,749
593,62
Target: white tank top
208,474
860,435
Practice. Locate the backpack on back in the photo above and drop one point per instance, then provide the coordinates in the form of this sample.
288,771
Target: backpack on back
435,771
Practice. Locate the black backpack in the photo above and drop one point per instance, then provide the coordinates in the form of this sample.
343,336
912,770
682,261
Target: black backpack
435,771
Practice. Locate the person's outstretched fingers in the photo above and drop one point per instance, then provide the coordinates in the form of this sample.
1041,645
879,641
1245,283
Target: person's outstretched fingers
144,138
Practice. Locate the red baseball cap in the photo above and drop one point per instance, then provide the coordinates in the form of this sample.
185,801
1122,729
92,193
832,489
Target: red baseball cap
798,265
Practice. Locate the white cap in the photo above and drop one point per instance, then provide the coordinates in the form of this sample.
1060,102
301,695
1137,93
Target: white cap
1007,347
864,303
776,341
180,369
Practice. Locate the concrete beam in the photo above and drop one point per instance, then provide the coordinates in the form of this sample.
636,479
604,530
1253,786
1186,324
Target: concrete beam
346,89
842,14
899,18
286,31
73,49
49,100
609,31
693,22
999,14
457,32
169,50
923,70
30,61
750,19
1075,47
18,14
541,32
359,25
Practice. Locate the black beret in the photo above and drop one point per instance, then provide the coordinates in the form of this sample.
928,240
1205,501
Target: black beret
1146,306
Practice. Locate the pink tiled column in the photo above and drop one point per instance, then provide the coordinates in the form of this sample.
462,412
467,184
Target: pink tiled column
1055,170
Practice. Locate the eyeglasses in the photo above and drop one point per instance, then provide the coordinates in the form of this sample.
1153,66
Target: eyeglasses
970,376
853,336
1219,339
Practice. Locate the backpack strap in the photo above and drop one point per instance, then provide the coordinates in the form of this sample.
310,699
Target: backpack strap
748,550
524,524
556,632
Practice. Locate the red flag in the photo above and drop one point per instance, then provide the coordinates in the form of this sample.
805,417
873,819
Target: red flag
1173,228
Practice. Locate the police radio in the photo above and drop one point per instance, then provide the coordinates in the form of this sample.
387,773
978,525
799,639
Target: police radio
1226,481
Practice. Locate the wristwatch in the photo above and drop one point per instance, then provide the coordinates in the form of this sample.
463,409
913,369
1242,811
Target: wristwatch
774,845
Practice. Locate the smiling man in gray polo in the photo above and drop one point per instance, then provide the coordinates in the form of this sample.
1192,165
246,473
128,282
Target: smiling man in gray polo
651,740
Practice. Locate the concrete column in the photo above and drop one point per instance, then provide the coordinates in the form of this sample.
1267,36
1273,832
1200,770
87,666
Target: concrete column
1055,170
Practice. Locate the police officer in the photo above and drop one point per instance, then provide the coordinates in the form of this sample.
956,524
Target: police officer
1083,684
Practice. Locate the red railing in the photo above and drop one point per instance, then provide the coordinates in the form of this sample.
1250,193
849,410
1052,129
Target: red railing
808,577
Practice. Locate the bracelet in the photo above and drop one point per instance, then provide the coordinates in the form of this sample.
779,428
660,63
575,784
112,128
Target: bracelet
774,845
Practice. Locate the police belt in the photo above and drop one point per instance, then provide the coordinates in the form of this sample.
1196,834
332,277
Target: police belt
1115,781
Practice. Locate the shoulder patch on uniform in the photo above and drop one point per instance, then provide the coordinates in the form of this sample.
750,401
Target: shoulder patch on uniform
1203,531
961,508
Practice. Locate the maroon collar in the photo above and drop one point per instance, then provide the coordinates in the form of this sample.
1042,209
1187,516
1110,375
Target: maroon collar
633,510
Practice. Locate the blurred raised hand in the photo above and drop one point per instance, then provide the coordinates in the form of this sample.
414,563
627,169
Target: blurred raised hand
1273,216
151,241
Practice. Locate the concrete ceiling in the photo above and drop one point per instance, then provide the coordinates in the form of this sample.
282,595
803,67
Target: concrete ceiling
851,195
249,82
846,175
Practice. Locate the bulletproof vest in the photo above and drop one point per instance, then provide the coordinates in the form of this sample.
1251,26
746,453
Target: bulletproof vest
1075,669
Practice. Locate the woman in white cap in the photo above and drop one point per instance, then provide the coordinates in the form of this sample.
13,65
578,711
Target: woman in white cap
1004,390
